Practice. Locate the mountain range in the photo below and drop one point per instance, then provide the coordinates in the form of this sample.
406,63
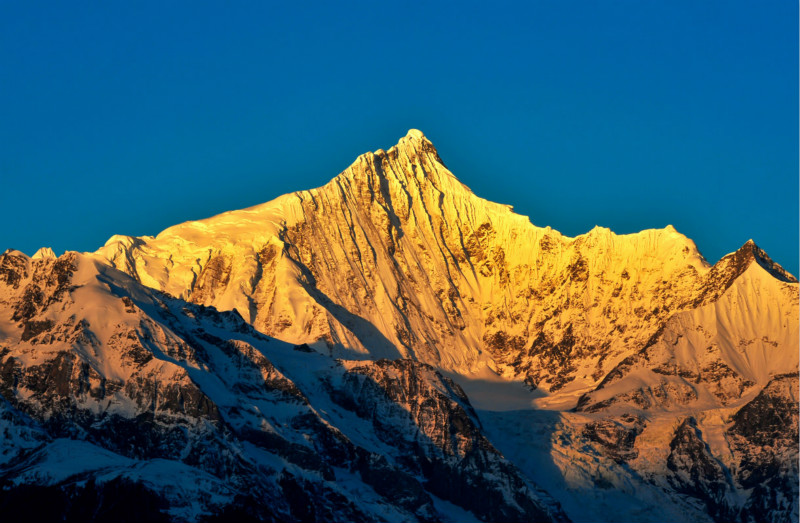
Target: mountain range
392,347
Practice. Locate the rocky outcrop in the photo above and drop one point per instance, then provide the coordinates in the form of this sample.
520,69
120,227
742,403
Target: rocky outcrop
697,473
447,446
764,439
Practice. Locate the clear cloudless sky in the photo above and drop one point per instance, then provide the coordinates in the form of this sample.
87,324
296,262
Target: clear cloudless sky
129,117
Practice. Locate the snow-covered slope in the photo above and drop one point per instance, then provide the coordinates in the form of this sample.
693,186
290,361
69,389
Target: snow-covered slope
317,342
712,355
194,413
700,424
396,258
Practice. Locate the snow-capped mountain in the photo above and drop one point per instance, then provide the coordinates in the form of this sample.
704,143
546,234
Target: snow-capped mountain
390,346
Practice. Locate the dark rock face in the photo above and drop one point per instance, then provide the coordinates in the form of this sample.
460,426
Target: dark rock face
446,446
696,473
418,393
725,272
48,284
764,439
13,268
214,278
772,416
616,438
118,500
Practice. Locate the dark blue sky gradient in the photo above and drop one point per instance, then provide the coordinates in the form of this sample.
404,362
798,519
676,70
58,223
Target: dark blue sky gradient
628,114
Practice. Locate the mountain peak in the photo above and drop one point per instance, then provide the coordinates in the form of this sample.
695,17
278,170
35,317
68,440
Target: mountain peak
752,252
415,134
417,143
44,253
414,140
413,155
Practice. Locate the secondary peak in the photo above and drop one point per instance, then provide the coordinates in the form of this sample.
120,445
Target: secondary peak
44,253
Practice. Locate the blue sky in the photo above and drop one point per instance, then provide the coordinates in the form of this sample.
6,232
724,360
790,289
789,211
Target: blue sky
126,119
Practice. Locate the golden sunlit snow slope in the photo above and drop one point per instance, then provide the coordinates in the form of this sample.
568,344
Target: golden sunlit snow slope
396,258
